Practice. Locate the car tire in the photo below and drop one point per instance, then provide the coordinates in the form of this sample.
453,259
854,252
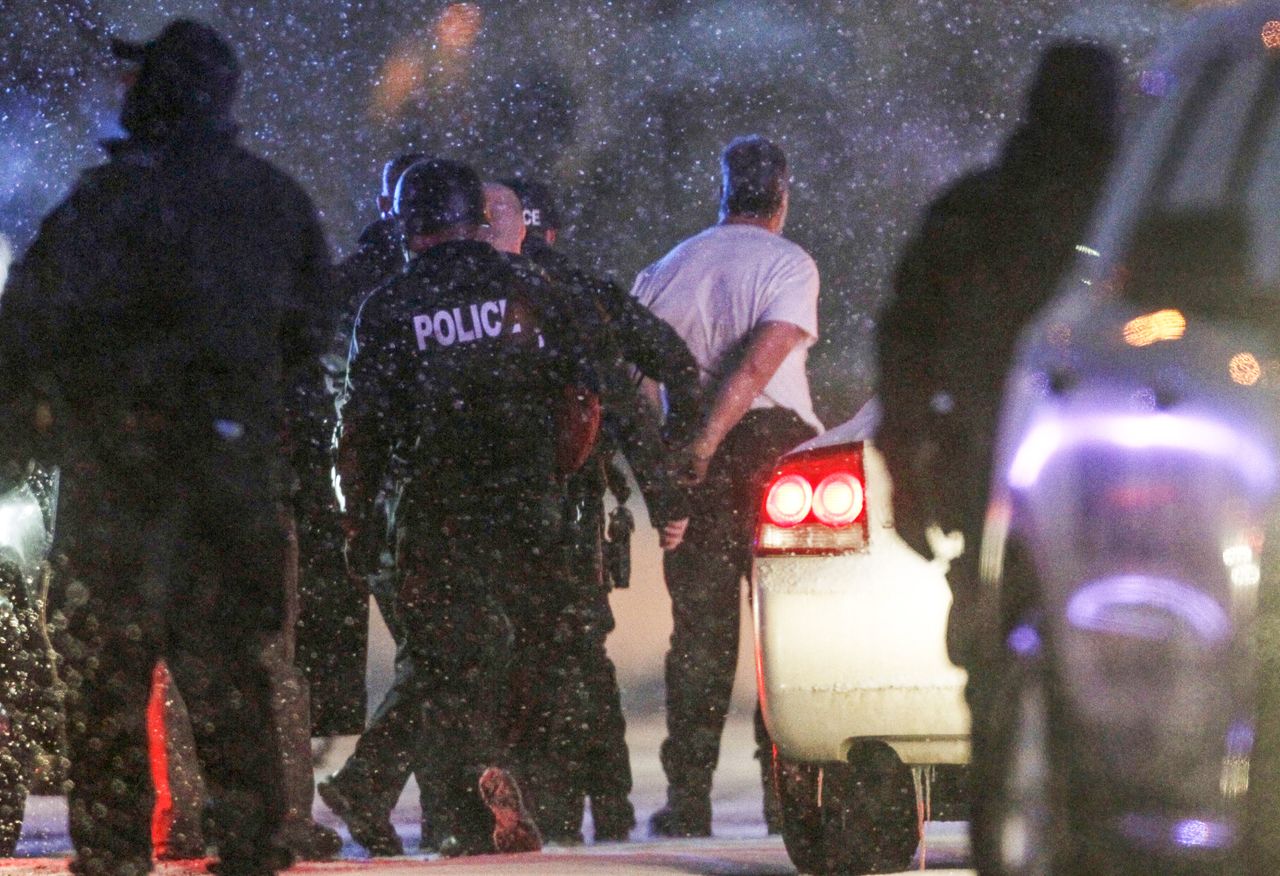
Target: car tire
849,818
1012,769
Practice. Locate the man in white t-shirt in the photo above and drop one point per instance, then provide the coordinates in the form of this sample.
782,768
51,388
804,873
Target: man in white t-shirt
745,300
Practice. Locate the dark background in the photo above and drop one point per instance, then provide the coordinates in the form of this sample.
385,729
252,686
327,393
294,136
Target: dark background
622,106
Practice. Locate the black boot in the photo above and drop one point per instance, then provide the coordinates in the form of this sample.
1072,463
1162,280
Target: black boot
614,817
685,815
370,824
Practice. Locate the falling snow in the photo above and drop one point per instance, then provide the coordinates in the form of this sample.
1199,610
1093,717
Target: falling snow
623,106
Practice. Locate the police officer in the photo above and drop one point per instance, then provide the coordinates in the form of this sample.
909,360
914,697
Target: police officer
330,649
151,337
379,258
457,370
380,249
587,750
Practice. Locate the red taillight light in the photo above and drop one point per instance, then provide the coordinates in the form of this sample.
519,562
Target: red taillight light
788,501
815,504
838,499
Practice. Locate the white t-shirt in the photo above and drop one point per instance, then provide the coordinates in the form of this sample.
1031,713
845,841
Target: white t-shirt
716,287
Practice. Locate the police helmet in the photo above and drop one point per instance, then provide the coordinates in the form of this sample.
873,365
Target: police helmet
434,195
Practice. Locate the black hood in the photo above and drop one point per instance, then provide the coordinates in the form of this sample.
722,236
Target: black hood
1072,115
188,77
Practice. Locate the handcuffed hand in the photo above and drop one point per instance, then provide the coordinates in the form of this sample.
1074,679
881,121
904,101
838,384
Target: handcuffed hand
689,464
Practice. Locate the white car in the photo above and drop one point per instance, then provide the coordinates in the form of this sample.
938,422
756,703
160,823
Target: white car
851,659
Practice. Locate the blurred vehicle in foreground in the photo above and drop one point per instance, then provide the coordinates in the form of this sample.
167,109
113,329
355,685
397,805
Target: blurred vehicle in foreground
859,698
1131,536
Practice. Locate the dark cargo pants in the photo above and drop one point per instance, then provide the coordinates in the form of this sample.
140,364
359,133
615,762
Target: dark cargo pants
185,569
450,712
571,739
389,748
704,577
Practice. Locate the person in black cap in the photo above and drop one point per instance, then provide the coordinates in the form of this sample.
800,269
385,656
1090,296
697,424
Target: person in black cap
152,337
595,764
988,254
458,368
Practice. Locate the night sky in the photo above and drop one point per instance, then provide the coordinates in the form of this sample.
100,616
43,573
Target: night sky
621,106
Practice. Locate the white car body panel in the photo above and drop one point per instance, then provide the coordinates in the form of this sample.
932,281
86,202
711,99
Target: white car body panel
853,646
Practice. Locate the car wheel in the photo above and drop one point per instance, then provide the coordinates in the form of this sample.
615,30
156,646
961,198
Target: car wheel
801,813
1017,738
849,818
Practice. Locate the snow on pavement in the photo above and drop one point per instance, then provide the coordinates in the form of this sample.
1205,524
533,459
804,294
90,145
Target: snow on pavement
739,848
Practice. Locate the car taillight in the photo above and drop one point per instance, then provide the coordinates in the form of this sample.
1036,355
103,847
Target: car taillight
837,501
789,500
815,504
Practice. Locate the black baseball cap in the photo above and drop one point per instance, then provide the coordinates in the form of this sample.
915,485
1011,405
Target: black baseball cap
540,211
191,61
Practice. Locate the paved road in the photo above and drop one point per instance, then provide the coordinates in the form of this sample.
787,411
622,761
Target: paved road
740,847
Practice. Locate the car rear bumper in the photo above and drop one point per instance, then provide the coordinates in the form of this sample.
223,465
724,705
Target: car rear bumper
852,647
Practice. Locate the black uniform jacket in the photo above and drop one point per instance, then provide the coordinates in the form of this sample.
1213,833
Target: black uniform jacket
988,255
186,279
457,368
623,334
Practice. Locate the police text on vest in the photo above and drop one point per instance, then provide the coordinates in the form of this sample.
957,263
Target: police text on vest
461,325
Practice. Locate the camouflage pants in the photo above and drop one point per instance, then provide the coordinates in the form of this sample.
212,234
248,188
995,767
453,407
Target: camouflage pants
447,714
186,570
570,735
176,820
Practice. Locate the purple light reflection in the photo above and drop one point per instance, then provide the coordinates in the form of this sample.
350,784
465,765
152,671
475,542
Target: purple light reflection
1024,640
1156,83
1189,833
1211,439
1114,605
1240,739
1194,833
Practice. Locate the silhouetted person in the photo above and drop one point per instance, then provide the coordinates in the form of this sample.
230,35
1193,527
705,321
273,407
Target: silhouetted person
151,339
989,253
